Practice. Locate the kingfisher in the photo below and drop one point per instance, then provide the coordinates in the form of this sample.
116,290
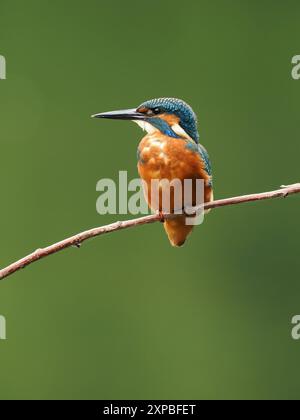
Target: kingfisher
170,150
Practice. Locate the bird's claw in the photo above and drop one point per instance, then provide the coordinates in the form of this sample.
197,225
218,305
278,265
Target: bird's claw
161,216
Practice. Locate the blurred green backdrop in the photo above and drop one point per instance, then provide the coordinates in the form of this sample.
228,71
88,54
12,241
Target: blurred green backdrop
127,316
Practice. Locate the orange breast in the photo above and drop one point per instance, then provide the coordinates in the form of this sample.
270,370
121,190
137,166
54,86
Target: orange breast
162,157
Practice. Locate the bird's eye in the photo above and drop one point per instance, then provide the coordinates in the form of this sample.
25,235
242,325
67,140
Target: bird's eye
153,111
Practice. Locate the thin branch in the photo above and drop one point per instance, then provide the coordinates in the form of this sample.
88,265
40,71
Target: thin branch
78,239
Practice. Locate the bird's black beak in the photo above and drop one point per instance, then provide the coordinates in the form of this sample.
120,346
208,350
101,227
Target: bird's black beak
126,114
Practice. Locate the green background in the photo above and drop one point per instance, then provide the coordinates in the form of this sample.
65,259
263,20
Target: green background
127,316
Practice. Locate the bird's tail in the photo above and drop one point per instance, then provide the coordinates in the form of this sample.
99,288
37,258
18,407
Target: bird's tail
177,230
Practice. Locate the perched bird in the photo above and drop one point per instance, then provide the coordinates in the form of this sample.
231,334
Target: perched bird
170,150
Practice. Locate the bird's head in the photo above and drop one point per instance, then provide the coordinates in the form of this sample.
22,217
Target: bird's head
172,117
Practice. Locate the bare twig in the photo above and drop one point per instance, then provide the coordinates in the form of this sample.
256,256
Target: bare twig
78,239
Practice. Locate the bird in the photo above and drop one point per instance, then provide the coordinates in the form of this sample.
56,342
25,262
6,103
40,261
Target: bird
170,150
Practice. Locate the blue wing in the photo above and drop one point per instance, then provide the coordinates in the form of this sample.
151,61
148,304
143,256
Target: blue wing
205,157
198,148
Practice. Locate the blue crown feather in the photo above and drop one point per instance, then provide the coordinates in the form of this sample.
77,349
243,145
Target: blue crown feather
187,117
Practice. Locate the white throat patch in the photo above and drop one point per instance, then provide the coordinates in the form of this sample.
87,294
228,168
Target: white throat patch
146,126
150,129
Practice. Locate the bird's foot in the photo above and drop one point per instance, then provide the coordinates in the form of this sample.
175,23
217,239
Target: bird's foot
161,216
